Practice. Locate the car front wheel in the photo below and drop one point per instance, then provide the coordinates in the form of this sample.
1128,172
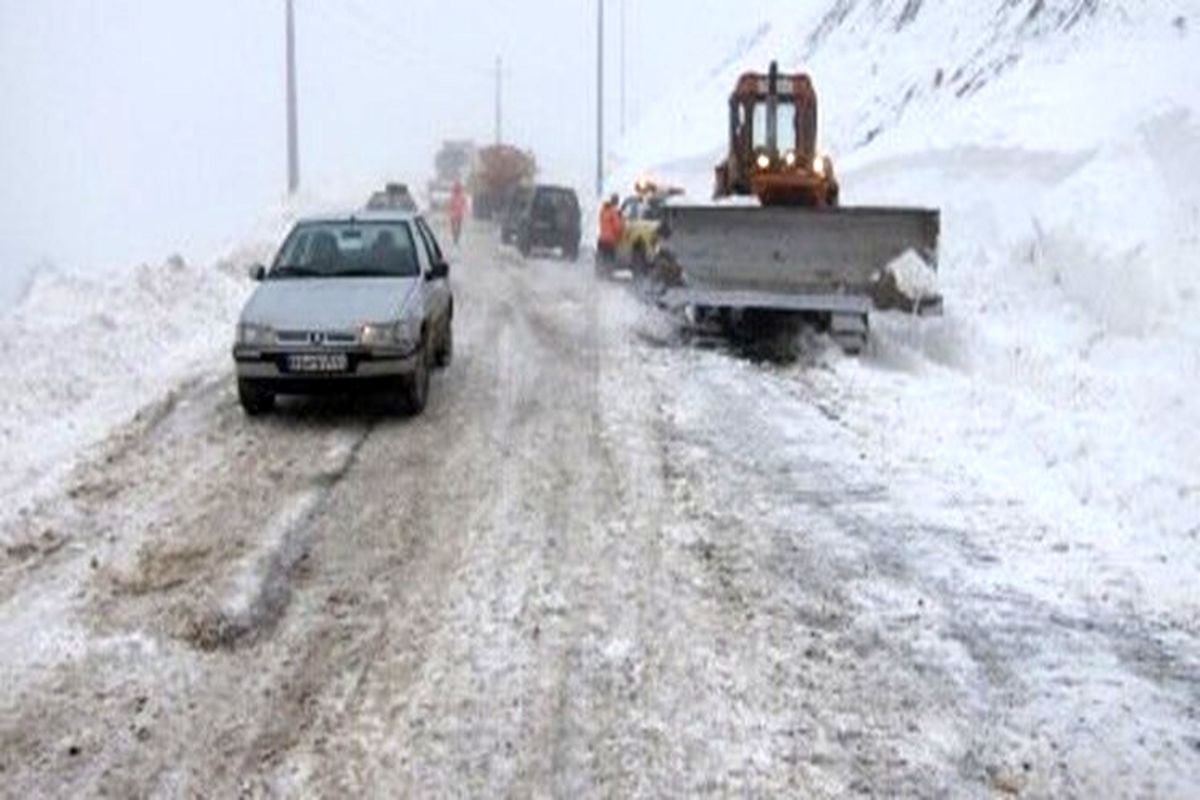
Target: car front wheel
445,353
254,399
416,388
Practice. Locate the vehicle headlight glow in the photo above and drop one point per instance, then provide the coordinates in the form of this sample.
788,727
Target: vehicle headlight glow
252,334
389,334
763,161
819,165
374,334
789,158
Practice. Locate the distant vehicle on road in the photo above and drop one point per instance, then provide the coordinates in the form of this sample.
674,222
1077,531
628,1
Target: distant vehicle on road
355,302
517,200
452,164
498,169
643,215
395,196
549,217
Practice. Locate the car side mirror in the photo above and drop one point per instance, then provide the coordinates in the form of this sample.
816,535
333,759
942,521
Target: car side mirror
258,272
439,271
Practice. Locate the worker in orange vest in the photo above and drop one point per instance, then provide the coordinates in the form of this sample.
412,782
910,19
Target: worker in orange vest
458,210
611,227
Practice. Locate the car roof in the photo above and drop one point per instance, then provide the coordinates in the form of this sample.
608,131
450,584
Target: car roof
553,187
363,215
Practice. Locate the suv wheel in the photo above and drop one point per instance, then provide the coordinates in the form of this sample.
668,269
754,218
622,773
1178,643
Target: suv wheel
416,388
254,399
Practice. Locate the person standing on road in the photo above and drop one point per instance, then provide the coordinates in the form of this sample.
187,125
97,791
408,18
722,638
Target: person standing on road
611,228
458,210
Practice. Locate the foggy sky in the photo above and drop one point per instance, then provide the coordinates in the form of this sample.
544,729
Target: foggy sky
133,129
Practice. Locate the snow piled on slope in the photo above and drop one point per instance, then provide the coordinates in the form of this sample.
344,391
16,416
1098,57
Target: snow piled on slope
1061,140
89,352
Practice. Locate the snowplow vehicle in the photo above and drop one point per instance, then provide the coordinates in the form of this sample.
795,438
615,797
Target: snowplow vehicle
797,252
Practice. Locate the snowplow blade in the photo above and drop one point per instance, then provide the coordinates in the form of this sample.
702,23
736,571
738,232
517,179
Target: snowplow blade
798,259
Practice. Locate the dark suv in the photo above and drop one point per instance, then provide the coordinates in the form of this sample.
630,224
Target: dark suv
549,218
512,213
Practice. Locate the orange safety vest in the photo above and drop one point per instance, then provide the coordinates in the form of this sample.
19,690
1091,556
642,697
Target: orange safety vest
611,225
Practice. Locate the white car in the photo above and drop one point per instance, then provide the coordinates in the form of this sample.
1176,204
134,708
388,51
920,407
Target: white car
354,302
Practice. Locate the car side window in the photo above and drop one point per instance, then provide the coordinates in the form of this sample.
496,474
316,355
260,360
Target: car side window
432,251
433,243
422,249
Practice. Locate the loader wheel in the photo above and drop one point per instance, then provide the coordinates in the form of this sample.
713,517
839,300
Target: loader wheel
524,245
850,331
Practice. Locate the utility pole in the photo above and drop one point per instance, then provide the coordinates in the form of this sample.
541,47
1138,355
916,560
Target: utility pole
599,98
293,137
499,97
622,68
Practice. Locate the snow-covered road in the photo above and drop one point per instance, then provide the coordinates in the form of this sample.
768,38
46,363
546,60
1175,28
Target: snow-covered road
601,564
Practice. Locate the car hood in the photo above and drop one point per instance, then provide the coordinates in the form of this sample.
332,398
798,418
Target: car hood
328,303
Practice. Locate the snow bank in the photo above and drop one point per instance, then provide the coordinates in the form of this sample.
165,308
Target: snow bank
89,352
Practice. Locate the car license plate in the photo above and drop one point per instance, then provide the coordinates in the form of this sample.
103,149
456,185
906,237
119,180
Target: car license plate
318,362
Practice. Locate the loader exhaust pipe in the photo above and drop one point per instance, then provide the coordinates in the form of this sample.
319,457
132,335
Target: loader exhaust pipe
773,109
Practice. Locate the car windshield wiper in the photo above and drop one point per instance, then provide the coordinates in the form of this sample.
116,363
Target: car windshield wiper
370,273
292,271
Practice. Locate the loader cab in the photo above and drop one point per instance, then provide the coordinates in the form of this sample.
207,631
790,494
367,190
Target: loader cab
773,115
773,143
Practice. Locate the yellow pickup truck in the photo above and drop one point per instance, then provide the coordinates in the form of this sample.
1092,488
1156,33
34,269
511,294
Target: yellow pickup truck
643,214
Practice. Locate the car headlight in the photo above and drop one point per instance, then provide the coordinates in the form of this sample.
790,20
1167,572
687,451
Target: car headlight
819,165
375,335
763,161
403,335
251,334
789,158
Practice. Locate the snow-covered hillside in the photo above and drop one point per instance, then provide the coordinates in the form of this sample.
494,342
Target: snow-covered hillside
1061,140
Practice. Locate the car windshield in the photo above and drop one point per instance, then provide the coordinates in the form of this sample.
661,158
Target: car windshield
347,250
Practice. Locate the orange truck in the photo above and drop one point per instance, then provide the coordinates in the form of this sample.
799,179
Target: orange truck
499,170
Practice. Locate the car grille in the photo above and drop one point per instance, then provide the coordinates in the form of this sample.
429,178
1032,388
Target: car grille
316,338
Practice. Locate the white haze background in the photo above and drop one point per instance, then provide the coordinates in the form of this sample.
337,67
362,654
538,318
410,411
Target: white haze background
134,129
